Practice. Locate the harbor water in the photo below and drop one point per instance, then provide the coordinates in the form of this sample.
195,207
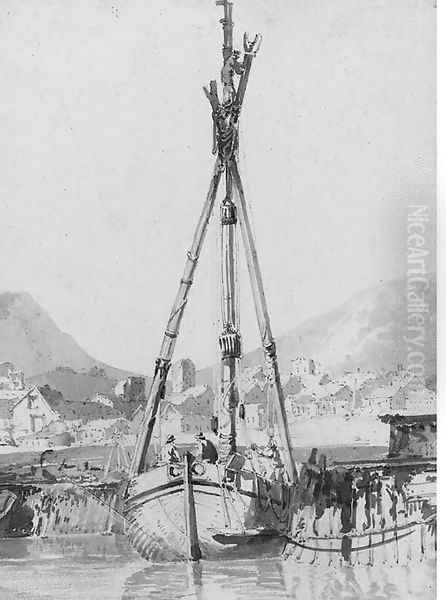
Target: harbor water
95,567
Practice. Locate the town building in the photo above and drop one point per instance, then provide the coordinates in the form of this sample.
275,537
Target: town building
378,400
189,411
418,400
302,365
300,405
41,406
5,368
102,399
195,400
183,375
195,423
293,386
254,394
255,416
32,412
343,400
326,378
325,406
7,400
13,379
12,388
171,418
131,390
52,435
103,430
421,401
251,375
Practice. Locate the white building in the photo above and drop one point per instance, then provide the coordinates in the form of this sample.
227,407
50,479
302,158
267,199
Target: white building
418,401
41,406
255,416
102,399
378,400
422,401
301,405
302,365
31,413
197,400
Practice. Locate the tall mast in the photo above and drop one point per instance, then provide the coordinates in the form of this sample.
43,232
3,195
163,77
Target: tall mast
225,115
230,338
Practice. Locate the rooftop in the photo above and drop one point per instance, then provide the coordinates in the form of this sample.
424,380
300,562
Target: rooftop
408,419
75,410
193,392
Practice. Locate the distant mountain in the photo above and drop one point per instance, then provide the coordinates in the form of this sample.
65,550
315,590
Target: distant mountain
31,340
367,331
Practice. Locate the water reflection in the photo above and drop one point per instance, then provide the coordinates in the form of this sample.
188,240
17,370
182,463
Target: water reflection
273,578
106,568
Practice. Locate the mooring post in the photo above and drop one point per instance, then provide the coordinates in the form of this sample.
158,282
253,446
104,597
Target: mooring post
189,510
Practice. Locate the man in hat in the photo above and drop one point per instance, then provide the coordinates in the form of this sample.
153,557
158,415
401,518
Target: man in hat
206,447
172,456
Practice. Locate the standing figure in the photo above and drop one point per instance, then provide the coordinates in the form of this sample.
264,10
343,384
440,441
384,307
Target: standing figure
36,520
171,455
271,451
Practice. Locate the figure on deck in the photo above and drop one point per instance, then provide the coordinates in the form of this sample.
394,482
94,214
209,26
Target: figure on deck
171,454
271,451
207,449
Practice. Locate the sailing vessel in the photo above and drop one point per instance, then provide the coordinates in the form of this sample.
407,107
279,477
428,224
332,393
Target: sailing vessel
201,510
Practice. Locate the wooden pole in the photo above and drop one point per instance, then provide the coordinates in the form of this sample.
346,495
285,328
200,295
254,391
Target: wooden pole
263,320
157,388
189,510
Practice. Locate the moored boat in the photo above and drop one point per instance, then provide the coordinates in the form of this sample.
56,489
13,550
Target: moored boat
236,509
198,508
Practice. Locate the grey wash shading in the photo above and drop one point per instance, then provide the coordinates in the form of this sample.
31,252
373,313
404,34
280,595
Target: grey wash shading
305,466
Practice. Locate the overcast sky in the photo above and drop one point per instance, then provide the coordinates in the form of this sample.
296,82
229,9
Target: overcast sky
105,154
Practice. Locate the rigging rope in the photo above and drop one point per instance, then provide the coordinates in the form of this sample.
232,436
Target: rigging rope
237,279
225,506
284,505
235,510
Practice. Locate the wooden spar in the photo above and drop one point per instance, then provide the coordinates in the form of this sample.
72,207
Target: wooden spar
228,27
173,326
251,48
230,339
190,514
263,319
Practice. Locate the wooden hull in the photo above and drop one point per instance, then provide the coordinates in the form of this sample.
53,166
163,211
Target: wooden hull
352,520
395,545
247,514
392,527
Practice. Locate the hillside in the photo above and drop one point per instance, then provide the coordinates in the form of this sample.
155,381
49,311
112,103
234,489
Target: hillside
366,331
73,385
32,341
